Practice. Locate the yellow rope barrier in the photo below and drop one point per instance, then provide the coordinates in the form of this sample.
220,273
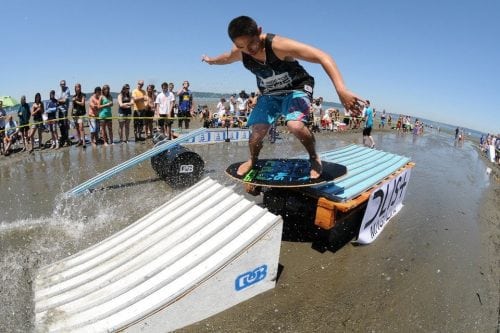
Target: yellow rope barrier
96,118
129,118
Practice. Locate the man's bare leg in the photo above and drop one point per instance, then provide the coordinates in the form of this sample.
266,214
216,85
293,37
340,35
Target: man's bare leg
307,139
259,132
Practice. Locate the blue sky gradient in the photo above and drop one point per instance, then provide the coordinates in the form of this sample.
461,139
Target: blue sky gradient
434,59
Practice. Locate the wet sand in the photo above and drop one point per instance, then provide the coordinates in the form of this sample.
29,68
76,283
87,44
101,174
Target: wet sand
434,268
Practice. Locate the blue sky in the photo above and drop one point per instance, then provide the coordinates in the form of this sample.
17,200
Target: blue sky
431,58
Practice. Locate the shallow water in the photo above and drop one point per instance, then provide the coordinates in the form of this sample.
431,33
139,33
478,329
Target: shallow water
433,240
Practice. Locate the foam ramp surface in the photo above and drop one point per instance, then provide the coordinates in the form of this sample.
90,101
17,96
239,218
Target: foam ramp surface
365,168
202,252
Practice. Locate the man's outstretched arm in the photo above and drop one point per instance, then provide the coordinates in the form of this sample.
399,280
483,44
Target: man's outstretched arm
223,59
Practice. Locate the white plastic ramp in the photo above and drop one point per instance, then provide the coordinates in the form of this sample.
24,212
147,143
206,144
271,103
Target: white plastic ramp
202,252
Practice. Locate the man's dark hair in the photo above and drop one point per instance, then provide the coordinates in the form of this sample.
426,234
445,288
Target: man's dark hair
242,26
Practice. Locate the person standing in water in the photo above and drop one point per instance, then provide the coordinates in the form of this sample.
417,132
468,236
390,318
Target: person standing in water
105,121
286,88
24,114
37,110
94,102
367,131
124,112
78,113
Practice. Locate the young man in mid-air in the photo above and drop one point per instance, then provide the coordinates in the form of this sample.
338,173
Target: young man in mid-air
286,88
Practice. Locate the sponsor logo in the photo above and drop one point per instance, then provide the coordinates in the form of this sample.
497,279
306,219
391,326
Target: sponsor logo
308,88
247,279
186,168
385,202
250,175
276,81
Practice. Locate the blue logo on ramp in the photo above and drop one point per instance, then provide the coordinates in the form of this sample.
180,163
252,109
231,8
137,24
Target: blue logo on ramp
252,277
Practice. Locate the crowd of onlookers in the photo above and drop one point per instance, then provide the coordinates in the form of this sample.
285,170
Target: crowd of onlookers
149,110
143,108
64,110
490,145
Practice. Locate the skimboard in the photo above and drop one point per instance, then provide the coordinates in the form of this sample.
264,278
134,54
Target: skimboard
285,173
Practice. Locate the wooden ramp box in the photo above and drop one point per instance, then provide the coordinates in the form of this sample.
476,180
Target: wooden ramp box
202,252
340,206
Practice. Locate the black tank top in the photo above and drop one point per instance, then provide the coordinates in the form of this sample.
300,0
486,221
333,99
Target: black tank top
276,77
79,110
38,116
125,99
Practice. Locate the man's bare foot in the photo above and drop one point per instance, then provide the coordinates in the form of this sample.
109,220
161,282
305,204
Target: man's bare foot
316,168
244,168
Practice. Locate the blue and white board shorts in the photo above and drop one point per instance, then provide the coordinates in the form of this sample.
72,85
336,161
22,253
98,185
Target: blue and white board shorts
94,125
294,106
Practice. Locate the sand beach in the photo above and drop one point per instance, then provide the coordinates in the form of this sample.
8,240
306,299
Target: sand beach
433,269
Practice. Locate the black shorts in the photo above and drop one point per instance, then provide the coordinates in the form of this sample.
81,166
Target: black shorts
24,126
184,114
138,122
164,122
149,113
367,131
124,112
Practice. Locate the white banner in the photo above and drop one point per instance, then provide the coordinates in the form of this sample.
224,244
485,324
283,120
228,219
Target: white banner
385,202
220,135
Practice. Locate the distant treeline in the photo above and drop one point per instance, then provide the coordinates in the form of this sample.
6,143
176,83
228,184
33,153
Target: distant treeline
196,94
207,95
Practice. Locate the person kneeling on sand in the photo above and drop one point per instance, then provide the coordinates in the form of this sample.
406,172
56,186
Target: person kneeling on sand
286,88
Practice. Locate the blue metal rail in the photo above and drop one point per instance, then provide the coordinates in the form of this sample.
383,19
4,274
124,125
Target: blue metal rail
85,186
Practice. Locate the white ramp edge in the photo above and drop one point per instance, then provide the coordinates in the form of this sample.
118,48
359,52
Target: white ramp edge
200,253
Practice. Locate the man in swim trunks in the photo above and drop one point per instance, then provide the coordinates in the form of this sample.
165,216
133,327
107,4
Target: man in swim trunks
286,88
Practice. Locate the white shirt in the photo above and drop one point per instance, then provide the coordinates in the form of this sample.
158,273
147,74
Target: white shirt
164,101
64,94
316,109
10,127
242,104
220,110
